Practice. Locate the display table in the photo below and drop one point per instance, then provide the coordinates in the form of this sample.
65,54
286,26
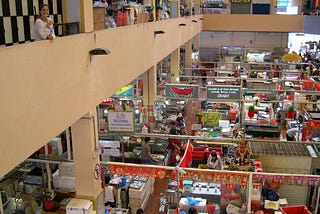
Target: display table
209,191
139,196
257,129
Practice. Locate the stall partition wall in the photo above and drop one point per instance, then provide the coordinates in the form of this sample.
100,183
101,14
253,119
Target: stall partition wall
17,18
296,195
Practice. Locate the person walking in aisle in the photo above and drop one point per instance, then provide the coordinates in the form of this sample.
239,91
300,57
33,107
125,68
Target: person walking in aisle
146,157
110,193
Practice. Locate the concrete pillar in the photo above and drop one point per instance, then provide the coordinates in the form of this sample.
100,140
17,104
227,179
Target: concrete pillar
188,9
188,58
86,16
149,94
150,85
175,65
86,160
196,42
196,7
174,8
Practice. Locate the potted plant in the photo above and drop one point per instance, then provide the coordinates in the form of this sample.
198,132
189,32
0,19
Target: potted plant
290,112
251,111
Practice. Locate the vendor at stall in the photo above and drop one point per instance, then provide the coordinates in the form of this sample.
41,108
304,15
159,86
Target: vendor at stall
214,161
146,157
173,146
110,193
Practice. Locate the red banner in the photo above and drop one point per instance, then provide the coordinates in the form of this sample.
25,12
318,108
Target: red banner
124,170
225,177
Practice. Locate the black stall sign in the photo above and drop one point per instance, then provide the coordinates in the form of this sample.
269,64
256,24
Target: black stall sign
227,93
240,1
182,91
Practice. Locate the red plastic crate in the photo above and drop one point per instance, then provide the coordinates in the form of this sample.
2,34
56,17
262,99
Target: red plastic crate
295,210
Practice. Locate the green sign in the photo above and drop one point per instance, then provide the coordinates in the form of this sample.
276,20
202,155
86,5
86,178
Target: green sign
220,93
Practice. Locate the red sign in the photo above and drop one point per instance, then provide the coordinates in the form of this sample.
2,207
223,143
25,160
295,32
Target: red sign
125,170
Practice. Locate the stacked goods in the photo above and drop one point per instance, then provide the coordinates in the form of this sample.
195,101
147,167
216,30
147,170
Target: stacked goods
139,193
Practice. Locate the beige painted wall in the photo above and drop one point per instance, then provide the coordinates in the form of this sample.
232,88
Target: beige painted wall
46,86
248,22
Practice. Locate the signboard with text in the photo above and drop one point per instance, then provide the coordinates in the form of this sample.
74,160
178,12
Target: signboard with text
221,93
121,121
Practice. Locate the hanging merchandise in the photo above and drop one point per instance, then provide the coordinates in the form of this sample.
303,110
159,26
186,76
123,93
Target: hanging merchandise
122,17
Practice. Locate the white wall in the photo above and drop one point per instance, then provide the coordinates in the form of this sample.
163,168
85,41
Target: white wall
210,39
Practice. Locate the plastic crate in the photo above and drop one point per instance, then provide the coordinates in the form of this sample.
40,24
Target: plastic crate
295,210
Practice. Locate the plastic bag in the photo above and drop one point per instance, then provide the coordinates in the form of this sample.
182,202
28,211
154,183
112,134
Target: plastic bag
192,201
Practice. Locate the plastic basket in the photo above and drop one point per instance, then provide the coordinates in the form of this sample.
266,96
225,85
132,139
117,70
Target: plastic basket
295,210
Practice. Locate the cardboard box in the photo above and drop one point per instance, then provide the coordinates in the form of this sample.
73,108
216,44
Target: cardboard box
79,206
66,169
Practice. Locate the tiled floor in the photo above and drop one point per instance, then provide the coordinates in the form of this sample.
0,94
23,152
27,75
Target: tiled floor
153,205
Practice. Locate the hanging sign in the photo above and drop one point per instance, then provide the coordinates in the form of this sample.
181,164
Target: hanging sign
147,171
126,91
182,91
112,152
240,1
109,143
121,121
223,93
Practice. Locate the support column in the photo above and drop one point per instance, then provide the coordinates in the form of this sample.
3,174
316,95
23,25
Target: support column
196,7
149,94
174,8
196,42
86,158
86,16
189,7
188,58
150,85
175,65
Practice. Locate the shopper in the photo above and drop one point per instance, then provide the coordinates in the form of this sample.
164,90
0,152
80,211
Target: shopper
110,193
204,77
139,211
214,161
43,28
146,157
180,123
192,210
